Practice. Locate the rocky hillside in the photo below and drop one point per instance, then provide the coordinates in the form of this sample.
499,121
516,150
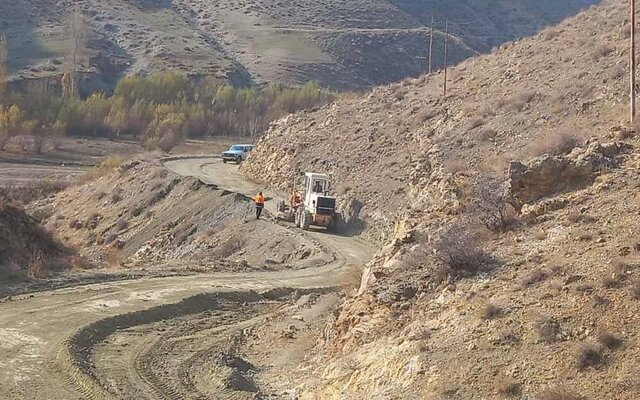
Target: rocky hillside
510,254
563,85
351,44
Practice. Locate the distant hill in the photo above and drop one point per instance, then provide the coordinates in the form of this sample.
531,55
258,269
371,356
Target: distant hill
342,44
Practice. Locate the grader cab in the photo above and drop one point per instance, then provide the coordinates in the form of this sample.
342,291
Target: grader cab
314,206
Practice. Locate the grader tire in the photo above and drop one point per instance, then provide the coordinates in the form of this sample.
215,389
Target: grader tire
305,222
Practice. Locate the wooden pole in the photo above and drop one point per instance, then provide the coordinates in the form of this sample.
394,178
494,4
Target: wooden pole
430,43
632,64
446,54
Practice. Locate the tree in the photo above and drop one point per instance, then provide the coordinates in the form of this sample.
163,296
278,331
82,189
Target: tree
78,37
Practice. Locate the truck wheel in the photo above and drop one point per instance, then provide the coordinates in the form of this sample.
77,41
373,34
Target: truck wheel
238,160
296,219
224,161
306,220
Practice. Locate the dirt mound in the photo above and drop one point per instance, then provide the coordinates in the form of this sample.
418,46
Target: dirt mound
26,249
141,216
340,44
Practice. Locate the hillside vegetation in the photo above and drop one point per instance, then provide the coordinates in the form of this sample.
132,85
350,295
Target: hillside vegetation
159,111
507,219
341,44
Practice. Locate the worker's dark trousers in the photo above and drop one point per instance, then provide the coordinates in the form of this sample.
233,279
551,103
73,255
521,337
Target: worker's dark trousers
259,208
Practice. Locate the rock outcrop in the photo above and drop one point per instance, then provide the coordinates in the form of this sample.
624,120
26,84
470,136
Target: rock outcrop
547,175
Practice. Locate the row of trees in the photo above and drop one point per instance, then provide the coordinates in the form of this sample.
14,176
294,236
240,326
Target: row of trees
159,110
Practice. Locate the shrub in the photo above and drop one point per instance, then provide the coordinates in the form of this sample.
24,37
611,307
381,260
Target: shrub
492,205
588,355
476,122
556,143
635,290
490,311
608,340
557,393
548,328
533,277
102,169
601,51
507,386
459,249
122,224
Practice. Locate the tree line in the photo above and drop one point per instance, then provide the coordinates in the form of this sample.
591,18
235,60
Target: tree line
159,110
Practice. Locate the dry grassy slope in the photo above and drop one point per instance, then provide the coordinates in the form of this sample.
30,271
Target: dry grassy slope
569,273
378,147
338,43
142,217
25,248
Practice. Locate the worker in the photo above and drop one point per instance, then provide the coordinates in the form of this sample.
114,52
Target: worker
296,199
259,199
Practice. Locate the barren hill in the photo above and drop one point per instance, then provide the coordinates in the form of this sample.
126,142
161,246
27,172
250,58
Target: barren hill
538,308
343,44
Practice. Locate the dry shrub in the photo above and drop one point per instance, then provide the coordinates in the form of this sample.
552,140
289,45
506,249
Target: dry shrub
635,290
535,276
23,195
424,115
116,196
558,393
600,51
103,169
486,134
556,143
110,238
490,311
492,206
550,34
548,328
36,268
455,166
608,340
92,221
122,224
182,233
74,223
588,355
233,245
507,386
615,276
475,122
113,258
458,248
351,280
136,211
400,93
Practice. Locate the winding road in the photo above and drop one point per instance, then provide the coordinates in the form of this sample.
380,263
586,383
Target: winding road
46,338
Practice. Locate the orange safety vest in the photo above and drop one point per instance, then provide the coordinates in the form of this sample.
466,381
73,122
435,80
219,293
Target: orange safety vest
259,200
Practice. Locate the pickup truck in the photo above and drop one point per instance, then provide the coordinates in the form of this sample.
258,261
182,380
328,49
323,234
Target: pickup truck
237,153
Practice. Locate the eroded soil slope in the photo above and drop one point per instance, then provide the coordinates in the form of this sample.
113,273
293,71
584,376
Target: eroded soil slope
142,216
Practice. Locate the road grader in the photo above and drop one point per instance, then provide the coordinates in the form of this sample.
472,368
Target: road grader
313,207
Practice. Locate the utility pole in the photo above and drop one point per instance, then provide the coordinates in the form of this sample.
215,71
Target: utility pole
430,43
446,54
632,64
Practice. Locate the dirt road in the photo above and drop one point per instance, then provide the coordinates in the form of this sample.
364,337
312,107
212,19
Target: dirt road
47,339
